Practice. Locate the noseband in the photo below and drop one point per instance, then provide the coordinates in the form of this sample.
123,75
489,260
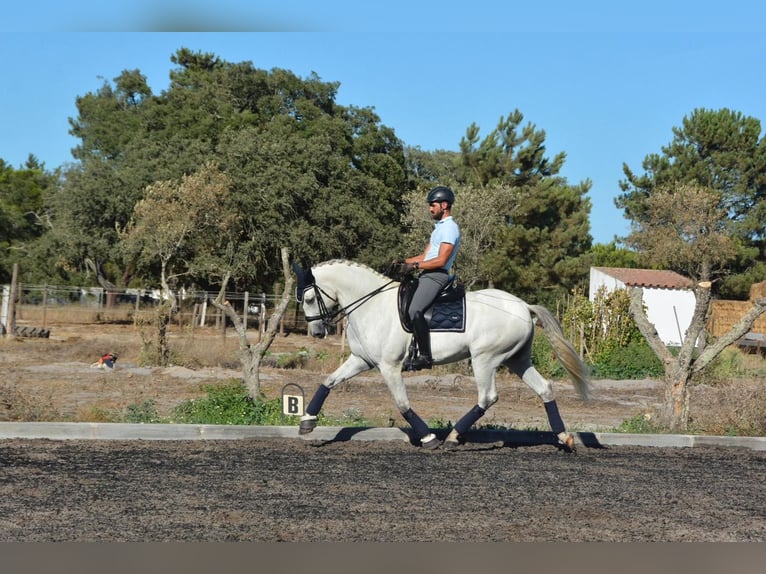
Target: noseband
329,318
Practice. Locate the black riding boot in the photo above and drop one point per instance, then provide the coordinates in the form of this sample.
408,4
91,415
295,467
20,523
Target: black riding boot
423,337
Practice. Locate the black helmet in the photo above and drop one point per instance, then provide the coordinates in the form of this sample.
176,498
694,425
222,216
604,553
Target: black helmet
441,193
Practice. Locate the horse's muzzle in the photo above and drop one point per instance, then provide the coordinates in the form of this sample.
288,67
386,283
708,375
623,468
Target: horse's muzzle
317,330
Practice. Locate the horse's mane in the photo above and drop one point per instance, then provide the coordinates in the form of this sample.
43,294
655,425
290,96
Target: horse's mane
351,264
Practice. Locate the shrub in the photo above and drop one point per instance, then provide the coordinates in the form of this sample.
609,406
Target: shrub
640,424
636,360
145,412
230,404
544,359
727,365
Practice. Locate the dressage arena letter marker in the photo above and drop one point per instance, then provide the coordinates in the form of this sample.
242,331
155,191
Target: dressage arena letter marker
292,405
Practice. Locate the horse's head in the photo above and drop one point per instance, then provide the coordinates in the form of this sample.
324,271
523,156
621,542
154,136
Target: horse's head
318,305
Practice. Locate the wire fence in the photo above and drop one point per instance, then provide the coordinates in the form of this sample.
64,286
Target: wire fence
40,306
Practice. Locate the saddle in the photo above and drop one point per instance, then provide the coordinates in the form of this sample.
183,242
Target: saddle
446,314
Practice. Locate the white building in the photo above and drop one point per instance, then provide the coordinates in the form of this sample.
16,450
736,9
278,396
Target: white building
668,297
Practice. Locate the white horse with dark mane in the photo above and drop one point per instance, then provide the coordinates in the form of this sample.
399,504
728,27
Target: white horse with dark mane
499,329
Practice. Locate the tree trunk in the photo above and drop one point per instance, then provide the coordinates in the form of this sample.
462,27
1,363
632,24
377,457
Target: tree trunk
677,375
164,316
251,355
677,400
679,370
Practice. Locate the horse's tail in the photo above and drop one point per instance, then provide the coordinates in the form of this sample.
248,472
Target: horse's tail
563,349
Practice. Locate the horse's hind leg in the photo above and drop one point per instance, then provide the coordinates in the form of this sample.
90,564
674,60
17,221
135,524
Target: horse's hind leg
351,367
484,373
392,374
544,390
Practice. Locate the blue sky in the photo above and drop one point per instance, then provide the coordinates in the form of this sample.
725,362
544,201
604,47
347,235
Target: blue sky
606,81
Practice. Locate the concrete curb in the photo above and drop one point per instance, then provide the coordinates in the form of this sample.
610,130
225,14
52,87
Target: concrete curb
511,438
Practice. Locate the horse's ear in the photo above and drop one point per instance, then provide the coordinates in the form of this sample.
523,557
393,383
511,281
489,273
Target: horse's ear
305,279
300,286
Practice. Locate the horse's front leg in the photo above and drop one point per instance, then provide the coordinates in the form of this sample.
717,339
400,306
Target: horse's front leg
392,374
351,367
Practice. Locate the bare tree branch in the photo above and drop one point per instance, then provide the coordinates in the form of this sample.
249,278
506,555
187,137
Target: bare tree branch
648,330
737,331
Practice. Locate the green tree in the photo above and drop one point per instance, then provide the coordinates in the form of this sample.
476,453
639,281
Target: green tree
187,227
537,251
322,179
723,151
324,188
611,255
22,214
686,227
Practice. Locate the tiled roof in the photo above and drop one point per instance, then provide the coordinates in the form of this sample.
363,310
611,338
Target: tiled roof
658,279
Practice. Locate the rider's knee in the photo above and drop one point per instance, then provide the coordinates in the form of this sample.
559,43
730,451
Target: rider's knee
416,315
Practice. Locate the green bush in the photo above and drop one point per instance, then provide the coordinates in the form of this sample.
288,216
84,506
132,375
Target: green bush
230,404
636,360
640,424
543,358
145,412
729,364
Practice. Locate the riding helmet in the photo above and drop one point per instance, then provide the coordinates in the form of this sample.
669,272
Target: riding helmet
441,193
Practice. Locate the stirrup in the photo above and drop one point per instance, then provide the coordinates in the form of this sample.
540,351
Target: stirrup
418,363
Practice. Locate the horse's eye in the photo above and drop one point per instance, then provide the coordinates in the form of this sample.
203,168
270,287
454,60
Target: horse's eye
309,297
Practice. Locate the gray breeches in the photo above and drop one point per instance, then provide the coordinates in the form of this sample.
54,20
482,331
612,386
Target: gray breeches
429,286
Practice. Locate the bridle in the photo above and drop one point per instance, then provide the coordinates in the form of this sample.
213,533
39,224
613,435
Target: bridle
331,318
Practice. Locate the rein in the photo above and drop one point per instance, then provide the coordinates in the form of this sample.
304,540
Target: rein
332,318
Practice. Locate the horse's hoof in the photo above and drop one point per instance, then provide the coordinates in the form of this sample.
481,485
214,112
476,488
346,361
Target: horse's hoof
452,441
567,442
307,425
430,442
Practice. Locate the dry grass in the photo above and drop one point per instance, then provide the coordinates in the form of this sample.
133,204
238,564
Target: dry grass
733,408
730,399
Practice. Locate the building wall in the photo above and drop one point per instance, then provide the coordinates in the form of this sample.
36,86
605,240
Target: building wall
670,310
599,278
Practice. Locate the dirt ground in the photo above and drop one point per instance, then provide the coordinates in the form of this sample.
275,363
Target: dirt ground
313,491
51,379
290,490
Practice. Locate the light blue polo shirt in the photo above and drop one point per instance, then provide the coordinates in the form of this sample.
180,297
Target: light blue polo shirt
445,231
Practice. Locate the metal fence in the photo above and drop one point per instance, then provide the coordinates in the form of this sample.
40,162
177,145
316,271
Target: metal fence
43,305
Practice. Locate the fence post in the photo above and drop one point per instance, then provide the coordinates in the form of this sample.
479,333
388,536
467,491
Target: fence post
244,309
10,327
45,306
262,318
203,312
4,309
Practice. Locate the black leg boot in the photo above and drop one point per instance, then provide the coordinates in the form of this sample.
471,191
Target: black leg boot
423,337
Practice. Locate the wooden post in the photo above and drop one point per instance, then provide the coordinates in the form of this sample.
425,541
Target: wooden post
193,320
244,310
262,317
45,306
11,331
203,312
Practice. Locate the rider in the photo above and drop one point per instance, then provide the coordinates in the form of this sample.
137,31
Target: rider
435,263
